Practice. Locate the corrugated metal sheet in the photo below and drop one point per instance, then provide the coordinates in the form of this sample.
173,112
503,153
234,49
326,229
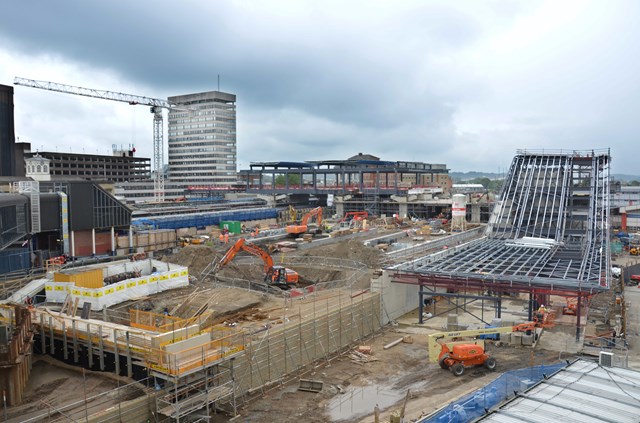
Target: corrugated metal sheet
582,392
12,199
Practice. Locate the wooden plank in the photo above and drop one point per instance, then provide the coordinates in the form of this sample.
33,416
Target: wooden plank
74,310
66,304
178,308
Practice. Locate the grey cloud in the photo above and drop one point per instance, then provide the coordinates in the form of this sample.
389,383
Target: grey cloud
330,79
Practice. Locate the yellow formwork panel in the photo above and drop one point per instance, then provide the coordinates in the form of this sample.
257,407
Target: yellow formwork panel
84,279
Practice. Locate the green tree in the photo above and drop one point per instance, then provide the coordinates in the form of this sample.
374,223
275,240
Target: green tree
292,177
494,185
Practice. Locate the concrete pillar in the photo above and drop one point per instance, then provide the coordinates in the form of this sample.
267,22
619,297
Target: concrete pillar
93,241
73,244
475,213
339,207
113,241
403,210
578,315
130,239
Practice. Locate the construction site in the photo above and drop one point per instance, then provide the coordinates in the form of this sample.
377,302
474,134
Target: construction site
355,318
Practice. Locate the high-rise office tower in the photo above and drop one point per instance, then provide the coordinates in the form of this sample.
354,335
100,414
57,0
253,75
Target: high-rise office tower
7,136
202,139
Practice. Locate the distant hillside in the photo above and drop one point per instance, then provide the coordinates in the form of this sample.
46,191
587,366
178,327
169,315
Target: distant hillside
625,178
467,176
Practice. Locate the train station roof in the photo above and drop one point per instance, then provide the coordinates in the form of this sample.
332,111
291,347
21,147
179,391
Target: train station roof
584,391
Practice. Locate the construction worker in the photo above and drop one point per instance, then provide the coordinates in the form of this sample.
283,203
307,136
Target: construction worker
221,237
226,237
540,314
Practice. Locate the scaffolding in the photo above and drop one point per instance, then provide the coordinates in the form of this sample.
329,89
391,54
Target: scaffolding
198,368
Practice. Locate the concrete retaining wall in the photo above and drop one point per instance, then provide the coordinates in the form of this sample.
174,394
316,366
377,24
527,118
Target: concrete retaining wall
397,298
142,409
271,356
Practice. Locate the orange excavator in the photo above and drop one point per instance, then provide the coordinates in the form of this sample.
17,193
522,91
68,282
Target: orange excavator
279,276
359,215
304,226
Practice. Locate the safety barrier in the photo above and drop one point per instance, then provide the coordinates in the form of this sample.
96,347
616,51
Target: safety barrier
115,293
195,352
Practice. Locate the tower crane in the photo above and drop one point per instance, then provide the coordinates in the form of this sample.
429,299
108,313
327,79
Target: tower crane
156,108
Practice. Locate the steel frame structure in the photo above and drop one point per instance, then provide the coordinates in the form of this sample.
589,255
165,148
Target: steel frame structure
548,233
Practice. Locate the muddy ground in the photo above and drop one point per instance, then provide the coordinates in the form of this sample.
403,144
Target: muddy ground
56,388
352,389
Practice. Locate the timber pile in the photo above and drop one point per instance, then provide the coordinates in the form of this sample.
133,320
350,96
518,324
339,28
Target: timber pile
362,355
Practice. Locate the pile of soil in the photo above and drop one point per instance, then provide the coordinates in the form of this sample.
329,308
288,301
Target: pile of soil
196,257
350,250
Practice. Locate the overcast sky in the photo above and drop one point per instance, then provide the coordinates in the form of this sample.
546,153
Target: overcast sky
465,83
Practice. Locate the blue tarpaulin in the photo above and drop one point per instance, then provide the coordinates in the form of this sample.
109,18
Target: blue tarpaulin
204,219
476,404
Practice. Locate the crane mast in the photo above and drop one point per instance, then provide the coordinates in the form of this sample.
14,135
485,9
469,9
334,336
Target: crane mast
156,108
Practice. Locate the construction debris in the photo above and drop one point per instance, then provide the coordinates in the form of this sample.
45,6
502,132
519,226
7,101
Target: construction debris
360,358
364,349
408,339
393,344
310,385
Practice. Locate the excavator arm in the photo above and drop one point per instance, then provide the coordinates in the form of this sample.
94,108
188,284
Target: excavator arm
259,252
302,227
243,245
317,213
355,215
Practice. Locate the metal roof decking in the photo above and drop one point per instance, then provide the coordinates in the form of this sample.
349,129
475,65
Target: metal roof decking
549,229
583,391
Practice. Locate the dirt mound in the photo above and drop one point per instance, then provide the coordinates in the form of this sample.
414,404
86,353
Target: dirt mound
196,257
349,249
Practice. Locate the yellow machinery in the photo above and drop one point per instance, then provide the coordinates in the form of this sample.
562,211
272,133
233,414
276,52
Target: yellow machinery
305,226
437,339
293,214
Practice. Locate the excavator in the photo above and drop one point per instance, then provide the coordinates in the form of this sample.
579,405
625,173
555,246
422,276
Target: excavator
458,356
279,276
353,220
359,215
304,226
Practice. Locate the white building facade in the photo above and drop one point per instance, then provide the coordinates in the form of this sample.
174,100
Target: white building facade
202,139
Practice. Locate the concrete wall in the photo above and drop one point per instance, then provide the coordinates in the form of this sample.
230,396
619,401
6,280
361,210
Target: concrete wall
397,298
272,356
141,409
280,352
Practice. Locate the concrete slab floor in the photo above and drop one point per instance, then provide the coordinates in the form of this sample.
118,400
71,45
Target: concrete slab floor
560,337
